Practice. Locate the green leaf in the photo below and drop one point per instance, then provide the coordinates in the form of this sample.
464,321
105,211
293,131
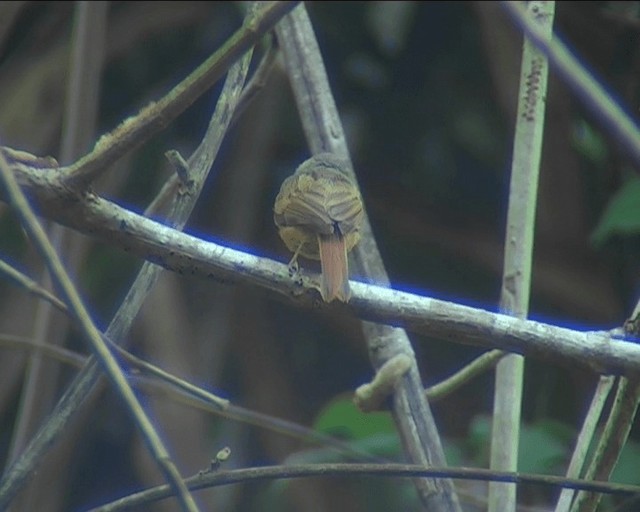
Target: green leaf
342,418
622,215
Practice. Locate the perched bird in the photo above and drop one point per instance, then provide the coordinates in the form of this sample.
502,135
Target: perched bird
318,212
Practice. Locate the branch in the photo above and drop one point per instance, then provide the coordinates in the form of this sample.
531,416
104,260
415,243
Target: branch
518,252
85,382
159,381
217,478
30,285
189,255
135,130
92,335
78,129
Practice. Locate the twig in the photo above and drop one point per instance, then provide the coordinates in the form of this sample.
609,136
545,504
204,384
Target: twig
55,352
135,130
31,286
516,276
173,387
479,365
217,478
85,73
222,407
221,403
102,353
258,79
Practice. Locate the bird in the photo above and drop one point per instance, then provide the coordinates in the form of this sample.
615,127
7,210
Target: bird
319,212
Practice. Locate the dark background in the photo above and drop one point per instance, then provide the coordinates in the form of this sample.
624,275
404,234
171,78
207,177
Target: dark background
427,93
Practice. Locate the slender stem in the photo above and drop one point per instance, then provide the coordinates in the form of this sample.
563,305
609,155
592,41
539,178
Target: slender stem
463,376
585,439
59,354
516,277
615,432
31,286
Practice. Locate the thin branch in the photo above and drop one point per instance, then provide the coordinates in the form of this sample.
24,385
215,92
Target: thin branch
585,439
135,130
79,125
259,78
613,438
104,356
184,392
55,352
85,73
223,408
220,403
323,130
479,365
516,275
217,478
31,286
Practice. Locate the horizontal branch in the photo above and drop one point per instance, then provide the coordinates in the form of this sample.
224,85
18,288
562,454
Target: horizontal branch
189,255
